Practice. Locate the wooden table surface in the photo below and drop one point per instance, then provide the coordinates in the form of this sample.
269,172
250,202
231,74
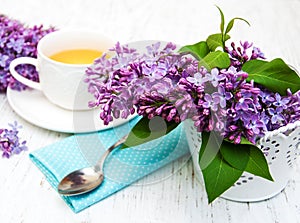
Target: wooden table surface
170,194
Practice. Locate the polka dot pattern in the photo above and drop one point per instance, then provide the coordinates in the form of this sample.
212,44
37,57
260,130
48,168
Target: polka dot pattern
121,169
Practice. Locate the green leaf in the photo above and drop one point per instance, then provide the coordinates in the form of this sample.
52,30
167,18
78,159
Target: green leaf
222,25
245,141
275,75
222,163
147,130
215,40
199,50
248,154
231,22
229,26
257,164
237,155
210,146
219,176
215,59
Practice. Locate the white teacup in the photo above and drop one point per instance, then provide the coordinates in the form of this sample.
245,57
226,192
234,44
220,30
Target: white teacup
62,83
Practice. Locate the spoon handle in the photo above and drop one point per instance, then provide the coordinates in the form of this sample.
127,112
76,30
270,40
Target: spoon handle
109,150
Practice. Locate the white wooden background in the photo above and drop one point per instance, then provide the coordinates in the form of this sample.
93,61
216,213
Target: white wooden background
171,194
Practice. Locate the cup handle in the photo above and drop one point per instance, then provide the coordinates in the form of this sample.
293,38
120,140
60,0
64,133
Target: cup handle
20,78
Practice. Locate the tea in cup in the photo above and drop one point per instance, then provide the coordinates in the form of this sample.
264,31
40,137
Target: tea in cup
62,59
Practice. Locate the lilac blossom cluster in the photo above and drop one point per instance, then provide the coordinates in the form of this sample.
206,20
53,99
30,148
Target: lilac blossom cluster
144,83
238,108
10,142
18,40
171,85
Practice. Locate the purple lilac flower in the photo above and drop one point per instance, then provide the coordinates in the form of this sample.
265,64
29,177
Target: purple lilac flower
281,101
18,40
3,60
214,77
265,118
10,142
153,49
226,96
214,101
276,115
266,97
197,79
244,104
254,126
16,44
256,53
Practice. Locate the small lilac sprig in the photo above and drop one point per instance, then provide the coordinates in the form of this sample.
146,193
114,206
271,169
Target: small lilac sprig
10,142
243,53
18,40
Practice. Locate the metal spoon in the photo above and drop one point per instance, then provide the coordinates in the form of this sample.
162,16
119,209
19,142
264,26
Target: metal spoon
84,180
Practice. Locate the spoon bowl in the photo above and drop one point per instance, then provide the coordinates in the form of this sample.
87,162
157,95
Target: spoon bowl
86,179
80,181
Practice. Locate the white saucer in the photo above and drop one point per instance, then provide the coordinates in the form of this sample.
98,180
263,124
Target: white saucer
36,109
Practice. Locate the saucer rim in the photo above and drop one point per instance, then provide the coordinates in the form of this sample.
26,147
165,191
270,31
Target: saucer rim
13,100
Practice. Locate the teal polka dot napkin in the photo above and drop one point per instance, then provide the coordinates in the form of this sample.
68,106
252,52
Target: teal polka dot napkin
122,167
